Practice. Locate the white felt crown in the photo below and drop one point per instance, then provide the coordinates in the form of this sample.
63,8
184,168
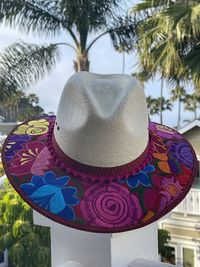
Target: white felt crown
102,120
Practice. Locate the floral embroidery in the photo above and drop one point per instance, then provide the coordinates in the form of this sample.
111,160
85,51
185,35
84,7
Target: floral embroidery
141,178
164,131
182,152
52,194
110,206
152,199
34,127
34,159
146,195
148,216
167,165
158,144
15,143
185,176
171,189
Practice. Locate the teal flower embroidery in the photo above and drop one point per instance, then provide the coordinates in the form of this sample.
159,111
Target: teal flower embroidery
52,194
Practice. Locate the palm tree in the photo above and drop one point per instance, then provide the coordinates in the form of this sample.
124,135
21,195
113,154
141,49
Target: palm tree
157,53
22,63
178,94
185,22
168,38
19,107
157,106
164,104
192,103
153,107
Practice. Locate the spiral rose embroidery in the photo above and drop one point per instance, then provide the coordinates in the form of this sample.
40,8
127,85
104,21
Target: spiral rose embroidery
110,206
172,190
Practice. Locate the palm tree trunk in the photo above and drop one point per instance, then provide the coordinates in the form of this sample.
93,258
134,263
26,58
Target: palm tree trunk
123,62
179,112
82,62
161,100
195,113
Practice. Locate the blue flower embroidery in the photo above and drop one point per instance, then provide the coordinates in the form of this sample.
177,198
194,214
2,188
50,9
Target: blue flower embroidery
141,178
52,194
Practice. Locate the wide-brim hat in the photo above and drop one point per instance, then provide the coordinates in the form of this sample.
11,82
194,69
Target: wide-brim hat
100,165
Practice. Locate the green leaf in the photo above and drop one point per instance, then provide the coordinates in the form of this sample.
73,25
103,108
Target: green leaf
2,244
8,240
21,246
21,228
17,254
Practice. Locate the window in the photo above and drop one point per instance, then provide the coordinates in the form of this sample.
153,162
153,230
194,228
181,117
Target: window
169,255
188,257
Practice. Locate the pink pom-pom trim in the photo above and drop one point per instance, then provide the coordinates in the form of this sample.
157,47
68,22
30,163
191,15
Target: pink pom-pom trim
97,174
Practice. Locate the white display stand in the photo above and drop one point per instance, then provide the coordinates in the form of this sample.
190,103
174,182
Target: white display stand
99,250
148,263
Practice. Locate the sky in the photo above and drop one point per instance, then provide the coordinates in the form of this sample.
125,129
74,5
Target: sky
104,60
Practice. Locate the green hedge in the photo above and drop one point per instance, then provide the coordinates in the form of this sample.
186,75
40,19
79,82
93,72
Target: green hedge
28,245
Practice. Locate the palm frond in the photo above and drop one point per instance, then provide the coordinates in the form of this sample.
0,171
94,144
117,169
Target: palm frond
22,64
7,85
40,16
192,66
147,8
186,20
149,4
123,33
91,14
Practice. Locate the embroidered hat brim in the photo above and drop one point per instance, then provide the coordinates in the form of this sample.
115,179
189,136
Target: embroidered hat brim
93,199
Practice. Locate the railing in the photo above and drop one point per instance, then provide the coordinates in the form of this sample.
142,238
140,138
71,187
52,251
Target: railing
191,204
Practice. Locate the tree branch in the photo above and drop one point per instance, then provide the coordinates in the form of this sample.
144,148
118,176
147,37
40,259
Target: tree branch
97,38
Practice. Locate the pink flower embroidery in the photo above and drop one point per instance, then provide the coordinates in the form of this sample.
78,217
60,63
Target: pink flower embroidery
164,131
34,159
110,206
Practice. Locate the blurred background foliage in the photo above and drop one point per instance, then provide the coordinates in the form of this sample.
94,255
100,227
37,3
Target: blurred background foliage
28,245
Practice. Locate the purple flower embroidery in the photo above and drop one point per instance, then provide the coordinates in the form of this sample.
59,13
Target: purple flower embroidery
15,143
171,189
110,206
182,153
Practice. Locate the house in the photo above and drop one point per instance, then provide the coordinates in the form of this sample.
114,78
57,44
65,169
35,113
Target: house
184,222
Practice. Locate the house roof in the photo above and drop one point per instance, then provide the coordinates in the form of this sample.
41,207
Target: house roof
189,126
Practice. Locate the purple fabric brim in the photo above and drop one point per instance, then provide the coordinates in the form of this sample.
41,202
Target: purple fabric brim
151,191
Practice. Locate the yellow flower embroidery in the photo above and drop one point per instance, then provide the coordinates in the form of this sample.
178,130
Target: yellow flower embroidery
34,127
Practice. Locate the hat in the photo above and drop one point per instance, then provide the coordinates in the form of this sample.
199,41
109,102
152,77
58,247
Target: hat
100,165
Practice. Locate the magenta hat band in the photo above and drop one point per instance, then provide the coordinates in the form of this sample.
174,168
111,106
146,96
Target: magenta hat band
96,174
